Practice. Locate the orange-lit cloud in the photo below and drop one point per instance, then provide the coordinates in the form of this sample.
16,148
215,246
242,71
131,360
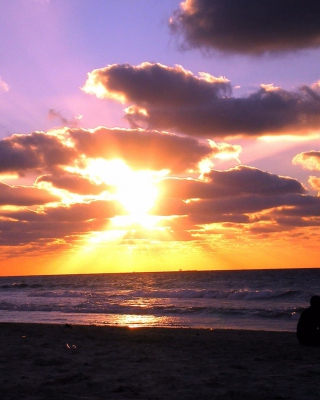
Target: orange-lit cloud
40,151
74,183
171,98
24,196
309,160
142,149
314,182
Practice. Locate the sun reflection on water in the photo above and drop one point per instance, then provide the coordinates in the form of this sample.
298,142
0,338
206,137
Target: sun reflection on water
136,321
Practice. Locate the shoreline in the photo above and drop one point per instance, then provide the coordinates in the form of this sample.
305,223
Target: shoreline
139,322
43,361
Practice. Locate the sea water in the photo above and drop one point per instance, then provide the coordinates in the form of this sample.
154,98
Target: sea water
252,299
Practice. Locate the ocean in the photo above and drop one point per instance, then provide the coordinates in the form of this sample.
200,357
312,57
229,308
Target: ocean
269,300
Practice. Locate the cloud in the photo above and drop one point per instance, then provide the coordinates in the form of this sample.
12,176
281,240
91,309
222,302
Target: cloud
24,195
309,160
314,182
149,82
248,27
173,99
228,196
43,152
73,122
74,183
249,180
304,212
59,158
242,197
35,151
4,87
142,149
238,181
226,150
64,224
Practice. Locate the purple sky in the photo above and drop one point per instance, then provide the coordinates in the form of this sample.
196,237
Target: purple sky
48,47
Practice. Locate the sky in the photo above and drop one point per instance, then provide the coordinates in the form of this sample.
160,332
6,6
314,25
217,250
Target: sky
140,135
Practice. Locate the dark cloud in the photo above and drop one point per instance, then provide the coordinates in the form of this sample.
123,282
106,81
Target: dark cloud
225,210
238,181
244,180
303,206
166,98
148,83
59,223
36,151
24,195
229,196
303,212
248,26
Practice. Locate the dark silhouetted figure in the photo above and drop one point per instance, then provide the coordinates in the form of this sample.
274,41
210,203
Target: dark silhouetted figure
308,329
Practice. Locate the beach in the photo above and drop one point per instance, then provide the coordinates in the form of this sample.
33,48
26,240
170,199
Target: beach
43,361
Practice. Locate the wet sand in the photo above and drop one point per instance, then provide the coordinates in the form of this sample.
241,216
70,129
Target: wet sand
63,362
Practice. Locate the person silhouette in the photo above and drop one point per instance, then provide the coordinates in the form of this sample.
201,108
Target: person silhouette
308,328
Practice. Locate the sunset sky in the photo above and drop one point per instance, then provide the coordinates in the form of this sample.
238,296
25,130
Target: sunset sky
144,135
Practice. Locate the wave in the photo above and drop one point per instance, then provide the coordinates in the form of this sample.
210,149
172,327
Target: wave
60,294
20,286
231,294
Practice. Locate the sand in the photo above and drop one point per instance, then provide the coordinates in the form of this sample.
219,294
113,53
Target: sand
64,362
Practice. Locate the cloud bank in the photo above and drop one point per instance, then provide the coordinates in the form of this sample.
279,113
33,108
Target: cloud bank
65,203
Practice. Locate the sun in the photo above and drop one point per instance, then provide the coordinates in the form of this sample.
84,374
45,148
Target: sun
135,190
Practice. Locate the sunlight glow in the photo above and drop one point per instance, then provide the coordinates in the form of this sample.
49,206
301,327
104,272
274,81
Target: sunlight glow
289,138
205,166
135,190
